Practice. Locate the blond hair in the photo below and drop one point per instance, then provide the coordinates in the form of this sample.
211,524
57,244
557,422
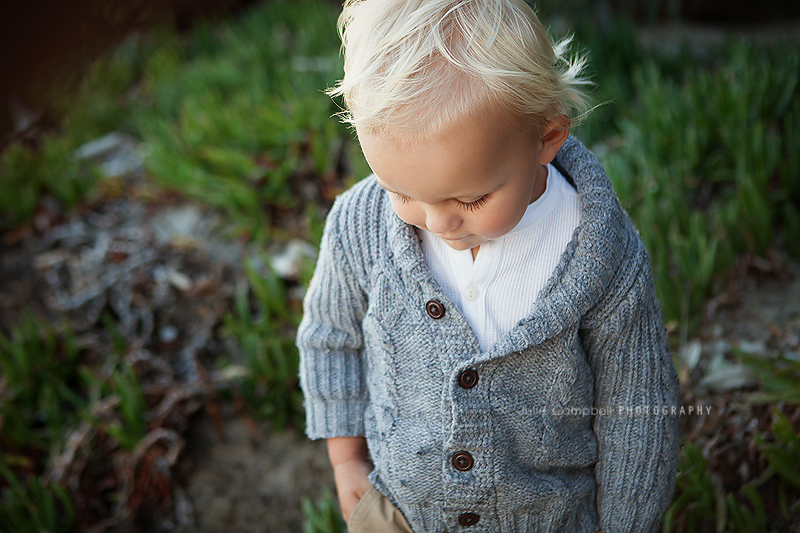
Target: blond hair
413,67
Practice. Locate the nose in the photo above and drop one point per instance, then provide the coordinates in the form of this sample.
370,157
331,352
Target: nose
441,220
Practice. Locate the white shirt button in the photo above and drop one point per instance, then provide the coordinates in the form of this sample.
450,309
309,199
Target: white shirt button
472,293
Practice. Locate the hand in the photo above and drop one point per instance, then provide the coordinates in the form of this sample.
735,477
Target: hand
351,484
351,466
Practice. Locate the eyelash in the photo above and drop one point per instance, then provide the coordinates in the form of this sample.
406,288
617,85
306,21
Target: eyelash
467,206
472,206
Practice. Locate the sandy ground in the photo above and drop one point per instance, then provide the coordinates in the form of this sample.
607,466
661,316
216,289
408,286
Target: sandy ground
254,480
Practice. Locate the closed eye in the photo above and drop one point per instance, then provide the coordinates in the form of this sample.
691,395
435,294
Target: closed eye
402,199
467,206
472,206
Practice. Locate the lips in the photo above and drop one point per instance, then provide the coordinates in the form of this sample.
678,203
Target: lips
451,239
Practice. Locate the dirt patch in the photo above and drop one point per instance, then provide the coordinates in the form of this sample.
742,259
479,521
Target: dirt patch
254,480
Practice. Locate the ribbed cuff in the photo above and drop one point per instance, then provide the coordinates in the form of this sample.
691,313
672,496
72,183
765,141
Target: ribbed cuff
337,418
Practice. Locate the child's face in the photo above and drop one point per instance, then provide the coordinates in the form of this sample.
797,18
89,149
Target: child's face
469,185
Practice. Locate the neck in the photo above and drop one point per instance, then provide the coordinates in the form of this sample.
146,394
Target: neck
539,183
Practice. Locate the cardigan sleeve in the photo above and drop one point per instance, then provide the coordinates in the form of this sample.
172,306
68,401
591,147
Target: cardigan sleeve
638,400
329,339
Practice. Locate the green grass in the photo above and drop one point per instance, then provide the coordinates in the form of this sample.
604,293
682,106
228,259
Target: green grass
263,327
324,516
238,110
39,370
779,377
227,115
47,390
701,503
34,507
703,156
719,167
26,172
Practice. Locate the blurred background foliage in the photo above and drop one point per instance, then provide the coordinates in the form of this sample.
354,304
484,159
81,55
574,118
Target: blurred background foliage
702,150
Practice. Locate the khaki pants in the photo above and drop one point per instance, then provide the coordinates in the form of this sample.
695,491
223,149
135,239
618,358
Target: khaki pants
376,514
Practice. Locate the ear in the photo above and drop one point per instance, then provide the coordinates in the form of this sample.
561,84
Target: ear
553,136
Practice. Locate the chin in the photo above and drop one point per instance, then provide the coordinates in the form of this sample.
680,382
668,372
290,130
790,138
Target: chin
464,244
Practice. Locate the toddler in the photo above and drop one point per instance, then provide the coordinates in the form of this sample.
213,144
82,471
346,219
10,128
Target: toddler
482,346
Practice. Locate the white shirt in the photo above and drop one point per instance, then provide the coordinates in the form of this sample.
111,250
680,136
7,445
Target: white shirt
498,289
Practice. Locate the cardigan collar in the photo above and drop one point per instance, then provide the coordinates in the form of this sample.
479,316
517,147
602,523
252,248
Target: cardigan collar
584,272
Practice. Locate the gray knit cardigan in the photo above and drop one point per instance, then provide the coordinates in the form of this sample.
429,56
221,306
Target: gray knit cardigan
572,423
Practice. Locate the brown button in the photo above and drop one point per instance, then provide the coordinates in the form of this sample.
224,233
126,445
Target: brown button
435,309
468,379
468,519
463,461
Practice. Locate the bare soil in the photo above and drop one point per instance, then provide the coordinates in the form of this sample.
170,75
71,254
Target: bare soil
253,480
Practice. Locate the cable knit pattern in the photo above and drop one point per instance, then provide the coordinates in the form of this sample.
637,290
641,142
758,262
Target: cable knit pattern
374,363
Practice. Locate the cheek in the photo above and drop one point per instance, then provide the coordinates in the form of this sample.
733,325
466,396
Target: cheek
406,211
497,223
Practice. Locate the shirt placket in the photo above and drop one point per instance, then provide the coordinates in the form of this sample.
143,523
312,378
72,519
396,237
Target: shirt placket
467,466
473,284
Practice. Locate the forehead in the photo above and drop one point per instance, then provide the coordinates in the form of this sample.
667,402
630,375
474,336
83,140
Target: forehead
467,160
